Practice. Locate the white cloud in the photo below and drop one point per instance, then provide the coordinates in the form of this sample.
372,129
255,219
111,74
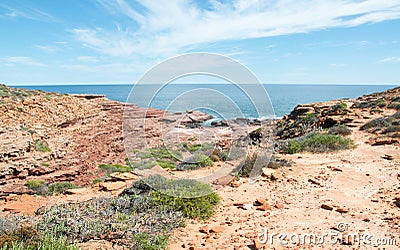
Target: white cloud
47,48
181,25
390,60
17,60
24,11
90,59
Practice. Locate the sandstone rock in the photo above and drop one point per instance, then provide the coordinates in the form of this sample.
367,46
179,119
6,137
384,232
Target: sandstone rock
77,191
124,176
112,186
268,172
279,206
262,205
204,229
217,229
313,181
342,210
236,184
260,202
225,180
326,207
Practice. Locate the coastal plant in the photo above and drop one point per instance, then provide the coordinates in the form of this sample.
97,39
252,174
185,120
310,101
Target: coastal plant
370,104
339,130
192,198
112,168
339,106
39,186
376,124
317,143
394,105
147,241
60,187
195,161
293,146
41,146
193,147
42,188
141,217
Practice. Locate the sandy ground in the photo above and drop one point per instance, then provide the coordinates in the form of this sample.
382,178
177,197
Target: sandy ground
358,185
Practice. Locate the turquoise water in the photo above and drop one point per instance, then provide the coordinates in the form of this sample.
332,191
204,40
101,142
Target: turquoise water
222,99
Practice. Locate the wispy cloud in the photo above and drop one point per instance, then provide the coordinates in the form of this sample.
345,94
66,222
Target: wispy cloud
390,60
90,59
180,26
18,60
47,48
14,10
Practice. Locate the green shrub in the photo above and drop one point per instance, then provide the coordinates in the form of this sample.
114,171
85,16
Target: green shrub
318,143
294,146
376,124
193,147
41,146
112,168
60,187
165,153
45,164
214,158
370,104
39,186
148,241
27,237
198,160
396,99
34,184
392,129
339,130
192,198
339,106
394,105
98,180
142,217
166,163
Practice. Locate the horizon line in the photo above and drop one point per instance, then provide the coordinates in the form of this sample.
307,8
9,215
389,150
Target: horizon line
125,83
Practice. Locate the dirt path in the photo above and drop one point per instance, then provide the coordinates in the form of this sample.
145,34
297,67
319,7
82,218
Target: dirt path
358,185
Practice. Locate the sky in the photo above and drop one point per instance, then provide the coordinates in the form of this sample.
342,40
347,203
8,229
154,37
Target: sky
281,41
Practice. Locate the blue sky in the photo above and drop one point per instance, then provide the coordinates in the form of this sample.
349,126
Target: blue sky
116,41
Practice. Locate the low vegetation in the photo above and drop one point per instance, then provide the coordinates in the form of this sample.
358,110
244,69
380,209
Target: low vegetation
41,146
19,233
339,130
317,142
112,168
381,103
388,126
195,161
141,217
246,166
42,188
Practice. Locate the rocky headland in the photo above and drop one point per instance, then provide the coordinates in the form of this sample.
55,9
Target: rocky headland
52,138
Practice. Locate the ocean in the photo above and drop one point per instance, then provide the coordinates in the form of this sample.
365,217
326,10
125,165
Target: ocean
225,101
